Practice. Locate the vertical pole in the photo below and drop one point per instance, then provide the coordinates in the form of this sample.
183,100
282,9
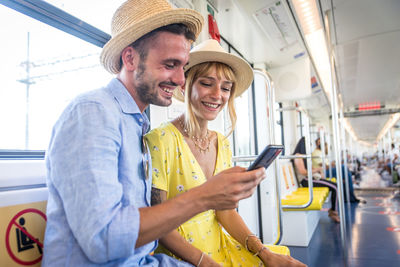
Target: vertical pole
352,150
328,139
384,147
336,143
390,155
346,173
322,143
27,93
307,136
271,110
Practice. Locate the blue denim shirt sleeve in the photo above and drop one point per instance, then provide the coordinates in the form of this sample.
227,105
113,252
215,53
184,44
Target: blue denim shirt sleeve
84,172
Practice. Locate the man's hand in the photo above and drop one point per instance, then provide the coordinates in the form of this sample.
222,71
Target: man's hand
224,190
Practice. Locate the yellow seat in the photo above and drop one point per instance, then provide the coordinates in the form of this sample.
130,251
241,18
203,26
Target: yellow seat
316,190
300,197
283,250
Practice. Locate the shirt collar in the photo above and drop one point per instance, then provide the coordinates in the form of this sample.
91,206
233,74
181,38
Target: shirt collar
127,103
121,94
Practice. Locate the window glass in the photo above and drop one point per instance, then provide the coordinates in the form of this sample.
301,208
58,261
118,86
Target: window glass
278,124
89,11
42,69
244,135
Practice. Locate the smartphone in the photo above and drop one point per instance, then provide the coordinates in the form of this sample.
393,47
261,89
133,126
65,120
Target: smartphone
266,157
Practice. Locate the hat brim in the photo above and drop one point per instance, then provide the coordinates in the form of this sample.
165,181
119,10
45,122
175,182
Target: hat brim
110,55
243,71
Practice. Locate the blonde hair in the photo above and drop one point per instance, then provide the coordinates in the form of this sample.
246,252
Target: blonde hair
203,69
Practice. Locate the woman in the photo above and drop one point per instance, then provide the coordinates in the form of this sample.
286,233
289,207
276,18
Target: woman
300,167
185,153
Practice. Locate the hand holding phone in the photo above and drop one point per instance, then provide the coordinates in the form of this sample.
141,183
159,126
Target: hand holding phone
267,156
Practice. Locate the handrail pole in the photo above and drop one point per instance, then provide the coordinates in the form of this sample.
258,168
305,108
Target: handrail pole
336,142
271,111
309,162
329,155
322,145
346,180
390,154
309,169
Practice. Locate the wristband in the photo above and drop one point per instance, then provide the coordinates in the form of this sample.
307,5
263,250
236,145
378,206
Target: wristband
247,239
256,254
201,259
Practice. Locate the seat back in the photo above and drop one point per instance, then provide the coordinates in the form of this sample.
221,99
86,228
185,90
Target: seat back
23,200
288,178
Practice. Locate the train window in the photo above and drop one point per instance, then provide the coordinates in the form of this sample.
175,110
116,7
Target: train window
244,133
90,10
42,70
279,124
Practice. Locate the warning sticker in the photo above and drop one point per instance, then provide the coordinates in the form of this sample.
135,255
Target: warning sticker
23,234
393,229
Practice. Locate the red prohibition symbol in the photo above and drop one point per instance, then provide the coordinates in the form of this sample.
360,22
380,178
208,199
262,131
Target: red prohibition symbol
12,223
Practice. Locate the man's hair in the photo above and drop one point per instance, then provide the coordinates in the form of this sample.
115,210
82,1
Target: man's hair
141,45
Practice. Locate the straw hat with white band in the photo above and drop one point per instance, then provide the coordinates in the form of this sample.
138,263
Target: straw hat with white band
135,18
211,51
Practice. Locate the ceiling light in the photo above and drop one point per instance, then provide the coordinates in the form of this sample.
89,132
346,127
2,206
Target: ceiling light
388,125
310,22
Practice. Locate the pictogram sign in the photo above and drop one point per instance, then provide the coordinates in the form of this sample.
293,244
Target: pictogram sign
24,240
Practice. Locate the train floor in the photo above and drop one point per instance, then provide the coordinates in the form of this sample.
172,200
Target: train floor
372,234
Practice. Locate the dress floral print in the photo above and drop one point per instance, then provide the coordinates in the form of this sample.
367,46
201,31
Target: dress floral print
175,170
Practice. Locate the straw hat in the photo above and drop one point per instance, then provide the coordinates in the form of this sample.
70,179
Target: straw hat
211,51
135,18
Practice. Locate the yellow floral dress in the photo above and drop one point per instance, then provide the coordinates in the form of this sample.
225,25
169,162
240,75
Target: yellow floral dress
176,170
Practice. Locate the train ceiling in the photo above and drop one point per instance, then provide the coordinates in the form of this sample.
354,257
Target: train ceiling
365,34
368,59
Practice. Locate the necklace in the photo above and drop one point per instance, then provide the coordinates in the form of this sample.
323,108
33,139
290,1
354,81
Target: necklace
197,140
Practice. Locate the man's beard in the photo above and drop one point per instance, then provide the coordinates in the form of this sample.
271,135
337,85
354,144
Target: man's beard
147,90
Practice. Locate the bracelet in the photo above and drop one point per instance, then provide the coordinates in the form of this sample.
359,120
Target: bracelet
256,254
247,239
201,259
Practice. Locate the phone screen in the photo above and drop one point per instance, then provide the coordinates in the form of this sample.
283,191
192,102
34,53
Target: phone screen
266,157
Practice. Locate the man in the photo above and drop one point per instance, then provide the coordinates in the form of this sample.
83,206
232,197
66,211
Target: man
98,209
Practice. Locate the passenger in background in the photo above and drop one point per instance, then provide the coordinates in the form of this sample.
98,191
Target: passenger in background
317,163
98,210
317,156
185,154
300,166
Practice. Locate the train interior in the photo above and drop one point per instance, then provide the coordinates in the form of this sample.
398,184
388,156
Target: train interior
323,69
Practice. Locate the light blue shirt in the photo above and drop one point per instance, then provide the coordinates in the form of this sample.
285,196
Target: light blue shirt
96,183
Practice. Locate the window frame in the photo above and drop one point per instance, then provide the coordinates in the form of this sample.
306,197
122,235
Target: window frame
61,20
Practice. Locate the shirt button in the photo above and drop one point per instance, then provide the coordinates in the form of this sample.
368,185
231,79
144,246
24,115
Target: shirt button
141,120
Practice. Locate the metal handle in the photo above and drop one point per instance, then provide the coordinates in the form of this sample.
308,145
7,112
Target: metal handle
271,112
309,170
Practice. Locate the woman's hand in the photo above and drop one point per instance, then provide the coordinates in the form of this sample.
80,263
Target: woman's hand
271,259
